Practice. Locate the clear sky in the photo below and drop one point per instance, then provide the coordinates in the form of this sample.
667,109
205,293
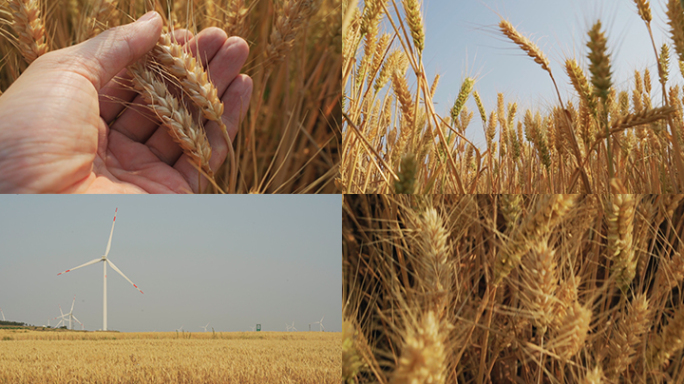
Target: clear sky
462,39
231,261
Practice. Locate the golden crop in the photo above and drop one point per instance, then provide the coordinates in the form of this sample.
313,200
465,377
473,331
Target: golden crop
513,289
156,357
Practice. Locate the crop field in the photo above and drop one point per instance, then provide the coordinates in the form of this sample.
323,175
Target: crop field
513,289
156,357
610,135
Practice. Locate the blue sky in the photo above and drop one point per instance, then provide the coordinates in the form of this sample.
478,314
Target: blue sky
462,39
232,261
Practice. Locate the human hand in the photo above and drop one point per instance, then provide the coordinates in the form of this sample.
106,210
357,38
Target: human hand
64,125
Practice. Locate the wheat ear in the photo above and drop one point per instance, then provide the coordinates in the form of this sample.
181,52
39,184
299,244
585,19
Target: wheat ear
173,115
415,23
103,11
573,331
195,83
599,60
620,227
523,42
541,284
29,28
675,15
626,338
548,212
669,341
294,14
644,8
423,355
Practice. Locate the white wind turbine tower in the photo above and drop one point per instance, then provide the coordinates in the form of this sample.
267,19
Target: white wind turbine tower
105,261
204,326
70,316
320,324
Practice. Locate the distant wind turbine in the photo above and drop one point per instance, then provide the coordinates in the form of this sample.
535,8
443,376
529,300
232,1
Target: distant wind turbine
290,327
253,328
70,316
180,329
320,324
205,327
105,261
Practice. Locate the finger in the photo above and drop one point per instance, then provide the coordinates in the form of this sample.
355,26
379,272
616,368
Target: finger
236,99
137,122
118,93
226,65
99,59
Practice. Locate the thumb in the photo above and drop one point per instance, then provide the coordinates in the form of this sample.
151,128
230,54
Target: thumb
99,59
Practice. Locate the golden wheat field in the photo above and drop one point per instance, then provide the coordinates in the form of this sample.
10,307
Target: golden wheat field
513,289
287,141
156,357
608,134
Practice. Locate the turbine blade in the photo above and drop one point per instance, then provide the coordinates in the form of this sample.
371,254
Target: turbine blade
74,317
121,273
80,266
109,243
60,311
72,304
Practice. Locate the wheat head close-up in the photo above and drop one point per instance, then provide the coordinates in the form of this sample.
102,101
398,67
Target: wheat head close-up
513,289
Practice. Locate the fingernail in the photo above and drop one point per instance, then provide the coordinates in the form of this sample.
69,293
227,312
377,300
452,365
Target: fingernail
148,16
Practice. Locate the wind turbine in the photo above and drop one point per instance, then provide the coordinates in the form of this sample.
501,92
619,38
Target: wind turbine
69,316
253,328
105,261
205,327
320,324
290,327
180,329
